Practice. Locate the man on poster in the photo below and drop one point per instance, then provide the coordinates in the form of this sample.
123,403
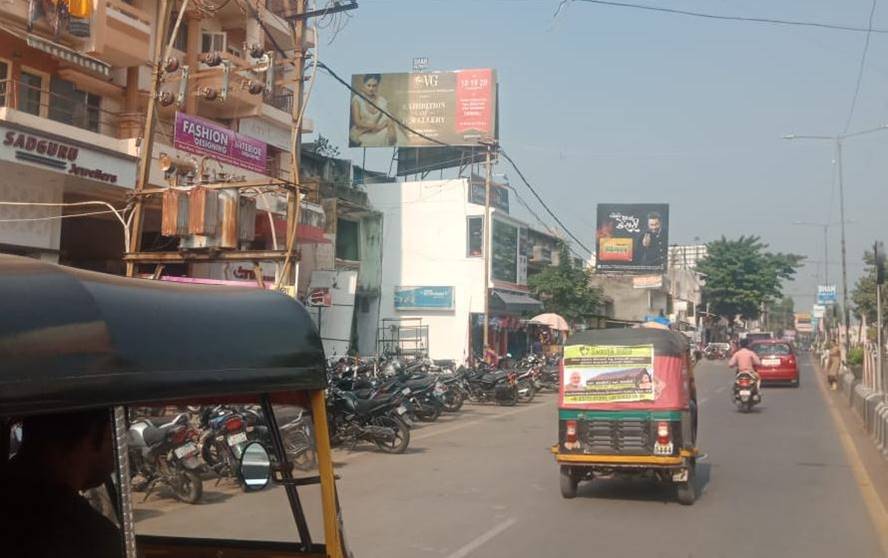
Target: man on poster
653,242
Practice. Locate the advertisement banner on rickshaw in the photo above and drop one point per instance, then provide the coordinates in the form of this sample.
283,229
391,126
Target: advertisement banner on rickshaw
608,374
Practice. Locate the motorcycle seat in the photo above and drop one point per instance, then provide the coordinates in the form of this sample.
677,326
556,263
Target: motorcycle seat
420,383
366,406
154,435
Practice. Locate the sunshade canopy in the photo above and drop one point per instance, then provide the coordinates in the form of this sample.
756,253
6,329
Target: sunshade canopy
513,302
554,321
74,339
665,342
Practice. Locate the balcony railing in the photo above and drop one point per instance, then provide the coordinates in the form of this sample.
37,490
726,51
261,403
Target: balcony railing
281,102
72,110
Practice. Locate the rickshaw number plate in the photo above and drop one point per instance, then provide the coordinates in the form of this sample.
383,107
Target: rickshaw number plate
663,449
186,450
680,476
236,439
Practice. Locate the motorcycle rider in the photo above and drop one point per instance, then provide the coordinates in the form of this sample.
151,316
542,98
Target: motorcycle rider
745,360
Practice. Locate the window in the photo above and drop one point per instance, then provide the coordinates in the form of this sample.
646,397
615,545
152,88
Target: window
181,42
30,93
766,349
212,41
504,249
347,240
4,75
72,106
475,230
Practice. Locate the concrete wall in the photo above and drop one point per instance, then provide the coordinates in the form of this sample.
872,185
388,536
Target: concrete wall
630,303
424,244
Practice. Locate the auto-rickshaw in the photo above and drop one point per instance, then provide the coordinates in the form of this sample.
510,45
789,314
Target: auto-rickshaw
78,340
627,406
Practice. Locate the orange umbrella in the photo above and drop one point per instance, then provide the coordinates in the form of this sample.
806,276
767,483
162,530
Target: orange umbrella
552,320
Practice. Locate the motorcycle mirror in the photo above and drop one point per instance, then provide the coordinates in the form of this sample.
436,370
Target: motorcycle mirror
255,467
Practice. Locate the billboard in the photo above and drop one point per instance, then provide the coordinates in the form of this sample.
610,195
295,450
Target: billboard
608,374
454,108
826,294
424,298
803,322
632,237
204,137
818,311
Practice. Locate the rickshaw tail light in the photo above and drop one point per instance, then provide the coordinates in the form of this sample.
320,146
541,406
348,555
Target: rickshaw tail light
234,424
571,436
662,432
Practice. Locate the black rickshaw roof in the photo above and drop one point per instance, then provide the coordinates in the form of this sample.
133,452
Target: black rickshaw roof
74,339
666,342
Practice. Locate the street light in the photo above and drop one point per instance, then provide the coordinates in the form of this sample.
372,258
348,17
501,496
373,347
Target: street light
837,141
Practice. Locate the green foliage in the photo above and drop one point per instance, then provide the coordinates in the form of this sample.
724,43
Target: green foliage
741,275
864,294
781,314
855,356
323,146
565,289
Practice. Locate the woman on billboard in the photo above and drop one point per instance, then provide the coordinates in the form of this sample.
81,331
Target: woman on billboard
369,126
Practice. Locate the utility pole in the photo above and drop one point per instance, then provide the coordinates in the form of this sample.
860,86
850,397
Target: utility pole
488,232
293,200
879,261
845,311
146,148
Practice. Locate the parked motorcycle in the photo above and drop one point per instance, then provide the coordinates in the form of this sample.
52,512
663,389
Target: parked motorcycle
487,385
167,455
375,420
746,391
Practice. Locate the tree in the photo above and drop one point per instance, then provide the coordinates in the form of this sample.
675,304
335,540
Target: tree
741,276
781,314
324,147
565,290
864,294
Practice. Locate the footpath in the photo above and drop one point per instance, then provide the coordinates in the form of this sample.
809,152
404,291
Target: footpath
849,405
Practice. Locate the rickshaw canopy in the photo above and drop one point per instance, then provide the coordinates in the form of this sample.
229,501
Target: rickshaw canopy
666,342
72,339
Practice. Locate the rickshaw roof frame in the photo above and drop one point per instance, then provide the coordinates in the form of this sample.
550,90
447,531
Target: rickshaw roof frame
665,342
74,339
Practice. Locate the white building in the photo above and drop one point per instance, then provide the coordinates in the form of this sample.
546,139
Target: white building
433,267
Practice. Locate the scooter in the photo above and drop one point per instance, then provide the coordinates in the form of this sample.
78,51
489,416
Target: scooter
746,391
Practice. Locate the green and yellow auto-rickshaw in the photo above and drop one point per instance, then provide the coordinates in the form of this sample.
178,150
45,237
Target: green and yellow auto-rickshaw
627,406
74,341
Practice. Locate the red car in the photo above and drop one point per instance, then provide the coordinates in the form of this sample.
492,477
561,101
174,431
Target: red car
779,361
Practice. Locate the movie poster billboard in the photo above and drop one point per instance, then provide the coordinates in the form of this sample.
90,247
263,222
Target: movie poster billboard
632,237
608,374
454,108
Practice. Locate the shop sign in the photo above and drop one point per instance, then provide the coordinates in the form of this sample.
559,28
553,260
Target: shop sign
203,137
320,296
826,294
66,157
818,311
647,282
423,298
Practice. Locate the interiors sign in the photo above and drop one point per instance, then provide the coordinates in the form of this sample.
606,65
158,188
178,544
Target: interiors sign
64,157
203,137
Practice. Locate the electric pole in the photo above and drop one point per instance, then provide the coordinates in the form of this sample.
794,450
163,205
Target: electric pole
490,143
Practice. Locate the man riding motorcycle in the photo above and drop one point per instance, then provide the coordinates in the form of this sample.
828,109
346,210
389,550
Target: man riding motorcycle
746,360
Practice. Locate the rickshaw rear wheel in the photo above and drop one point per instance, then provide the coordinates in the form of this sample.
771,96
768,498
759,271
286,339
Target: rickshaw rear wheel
569,483
686,492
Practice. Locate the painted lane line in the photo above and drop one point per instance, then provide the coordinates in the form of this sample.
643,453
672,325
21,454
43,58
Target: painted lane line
877,512
479,541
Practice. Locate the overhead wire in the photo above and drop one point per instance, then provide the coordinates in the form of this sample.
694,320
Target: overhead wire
745,19
861,67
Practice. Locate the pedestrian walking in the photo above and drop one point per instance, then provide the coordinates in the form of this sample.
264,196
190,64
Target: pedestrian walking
833,363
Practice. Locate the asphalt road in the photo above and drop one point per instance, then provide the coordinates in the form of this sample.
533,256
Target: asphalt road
775,482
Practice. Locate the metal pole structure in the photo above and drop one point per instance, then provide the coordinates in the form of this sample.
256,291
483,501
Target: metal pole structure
295,143
880,379
147,145
845,312
826,254
488,232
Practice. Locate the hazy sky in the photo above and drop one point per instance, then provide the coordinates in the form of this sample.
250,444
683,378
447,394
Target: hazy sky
608,104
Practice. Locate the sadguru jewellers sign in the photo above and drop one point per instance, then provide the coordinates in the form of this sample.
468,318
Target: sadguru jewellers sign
203,137
64,157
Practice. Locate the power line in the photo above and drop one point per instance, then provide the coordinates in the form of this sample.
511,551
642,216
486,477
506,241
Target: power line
539,199
866,44
744,19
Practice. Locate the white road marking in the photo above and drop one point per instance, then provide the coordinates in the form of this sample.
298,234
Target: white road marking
476,543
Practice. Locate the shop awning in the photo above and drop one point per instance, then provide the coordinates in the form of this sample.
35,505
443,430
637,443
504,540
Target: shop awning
69,55
512,302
